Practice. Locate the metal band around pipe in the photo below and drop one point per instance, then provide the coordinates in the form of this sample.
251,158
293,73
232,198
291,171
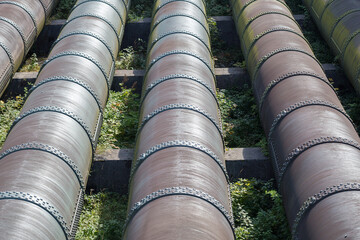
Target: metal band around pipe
273,83
250,20
57,110
309,144
174,52
180,106
347,42
44,8
21,33
276,29
79,54
11,58
281,50
49,149
38,201
177,76
179,32
325,8
107,3
99,17
177,143
77,213
87,33
26,10
73,80
302,104
315,199
171,191
179,15
250,2
341,18
188,1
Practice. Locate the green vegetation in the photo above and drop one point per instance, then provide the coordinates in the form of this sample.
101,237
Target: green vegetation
102,217
258,211
296,6
140,9
257,207
218,8
9,110
351,103
120,120
62,10
32,64
132,57
223,55
241,123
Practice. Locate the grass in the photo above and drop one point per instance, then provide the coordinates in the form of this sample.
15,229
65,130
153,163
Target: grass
241,123
258,213
132,57
120,120
103,216
62,10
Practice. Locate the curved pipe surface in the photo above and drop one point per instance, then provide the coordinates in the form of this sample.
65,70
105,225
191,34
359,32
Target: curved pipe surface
314,146
21,21
338,21
178,183
45,161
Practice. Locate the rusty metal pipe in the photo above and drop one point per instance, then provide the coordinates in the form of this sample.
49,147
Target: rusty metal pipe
178,183
338,22
45,161
314,146
21,21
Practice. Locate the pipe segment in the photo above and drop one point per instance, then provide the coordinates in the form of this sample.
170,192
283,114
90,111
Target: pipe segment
46,158
21,21
178,184
338,21
313,144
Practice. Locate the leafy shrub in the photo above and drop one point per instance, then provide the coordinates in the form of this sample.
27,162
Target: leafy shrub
258,211
223,55
120,120
218,7
9,110
241,123
63,8
140,9
102,217
31,64
132,57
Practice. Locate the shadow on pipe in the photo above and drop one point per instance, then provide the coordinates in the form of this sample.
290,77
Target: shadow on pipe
45,161
314,146
178,183
21,21
338,21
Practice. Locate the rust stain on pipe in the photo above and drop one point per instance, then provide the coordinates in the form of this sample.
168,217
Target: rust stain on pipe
314,146
45,160
178,184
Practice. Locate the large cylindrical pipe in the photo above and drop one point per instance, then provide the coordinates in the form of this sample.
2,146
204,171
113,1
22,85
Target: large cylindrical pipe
178,184
47,155
21,21
314,146
338,21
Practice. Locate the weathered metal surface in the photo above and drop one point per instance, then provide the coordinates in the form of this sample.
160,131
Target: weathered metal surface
21,22
178,183
45,160
314,147
338,21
